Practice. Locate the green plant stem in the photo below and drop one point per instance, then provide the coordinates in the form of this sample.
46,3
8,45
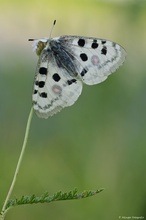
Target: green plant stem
3,212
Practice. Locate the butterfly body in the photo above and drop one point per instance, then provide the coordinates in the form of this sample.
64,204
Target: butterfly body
65,63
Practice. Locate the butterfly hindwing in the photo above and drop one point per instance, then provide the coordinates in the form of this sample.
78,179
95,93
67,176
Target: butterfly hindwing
54,88
96,58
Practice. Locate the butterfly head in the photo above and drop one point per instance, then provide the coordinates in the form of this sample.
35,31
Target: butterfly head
39,44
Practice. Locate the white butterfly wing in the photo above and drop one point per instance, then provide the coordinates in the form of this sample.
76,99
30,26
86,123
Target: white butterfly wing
94,58
54,88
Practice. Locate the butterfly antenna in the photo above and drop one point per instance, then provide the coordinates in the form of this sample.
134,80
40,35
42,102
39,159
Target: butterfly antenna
52,28
31,39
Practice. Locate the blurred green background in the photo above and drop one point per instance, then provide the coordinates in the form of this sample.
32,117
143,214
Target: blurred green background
98,142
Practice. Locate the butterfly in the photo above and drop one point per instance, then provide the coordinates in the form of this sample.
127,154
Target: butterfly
65,63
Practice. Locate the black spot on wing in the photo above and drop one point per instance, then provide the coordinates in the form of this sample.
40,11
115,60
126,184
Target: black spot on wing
41,84
84,71
104,50
43,71
94,45
36,83
81,42
43,95
35,91
103,41
83,57
56,77
69,82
